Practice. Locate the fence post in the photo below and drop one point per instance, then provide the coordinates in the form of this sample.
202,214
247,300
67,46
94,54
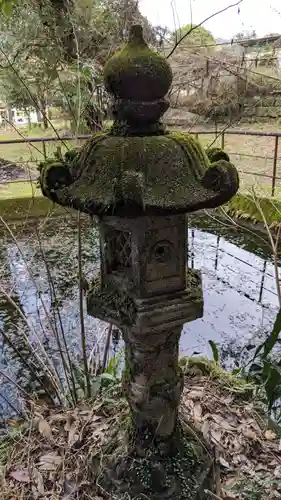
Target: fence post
274,166
44,150
222,140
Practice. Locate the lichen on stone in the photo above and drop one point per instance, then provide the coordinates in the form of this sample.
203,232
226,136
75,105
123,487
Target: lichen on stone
136,72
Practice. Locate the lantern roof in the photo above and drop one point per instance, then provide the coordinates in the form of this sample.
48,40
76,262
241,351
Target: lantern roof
137,167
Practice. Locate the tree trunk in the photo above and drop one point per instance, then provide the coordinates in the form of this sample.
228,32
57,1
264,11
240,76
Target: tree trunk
28,118
45,120
153,384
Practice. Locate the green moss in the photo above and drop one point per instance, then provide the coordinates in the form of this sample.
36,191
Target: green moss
216,154
153,474
56,173
165,176
244,207
109,301
204,366
194,285
154,174
136,72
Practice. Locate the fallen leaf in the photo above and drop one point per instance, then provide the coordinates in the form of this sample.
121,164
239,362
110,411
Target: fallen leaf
69,423
223,423
224,463
279,447
21,475
50,461
49,467
197,412
38,478
44,428
269,435
205,429
277,471
249,433
216,435
195,394
56,419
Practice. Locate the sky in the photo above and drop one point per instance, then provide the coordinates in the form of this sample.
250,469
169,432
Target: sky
260,15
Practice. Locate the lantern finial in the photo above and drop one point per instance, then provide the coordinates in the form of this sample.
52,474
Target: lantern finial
138,79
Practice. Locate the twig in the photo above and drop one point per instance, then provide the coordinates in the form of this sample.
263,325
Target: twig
28,267
20,389
274,245
217,472
22,136
24,362
106,349
66,366
81,309
200,24
44,362
212,495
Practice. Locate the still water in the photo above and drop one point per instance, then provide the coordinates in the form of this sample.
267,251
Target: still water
240,300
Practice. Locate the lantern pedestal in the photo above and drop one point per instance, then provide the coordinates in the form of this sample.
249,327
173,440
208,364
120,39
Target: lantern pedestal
145,291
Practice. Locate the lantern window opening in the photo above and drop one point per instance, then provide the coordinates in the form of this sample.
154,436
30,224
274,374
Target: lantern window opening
118,249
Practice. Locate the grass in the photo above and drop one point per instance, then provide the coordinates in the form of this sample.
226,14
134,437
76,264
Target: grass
18,190
29,153
20,200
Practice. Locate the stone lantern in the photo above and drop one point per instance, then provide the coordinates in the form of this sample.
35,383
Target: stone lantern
141,181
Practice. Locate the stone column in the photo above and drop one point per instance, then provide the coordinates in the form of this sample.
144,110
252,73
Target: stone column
153,383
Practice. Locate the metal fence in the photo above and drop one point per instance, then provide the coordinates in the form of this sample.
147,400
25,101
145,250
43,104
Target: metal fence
271,174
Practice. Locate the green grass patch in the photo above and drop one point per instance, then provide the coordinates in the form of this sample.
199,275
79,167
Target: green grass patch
17,190
21,200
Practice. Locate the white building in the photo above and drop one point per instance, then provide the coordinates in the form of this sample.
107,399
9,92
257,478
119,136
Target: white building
17,116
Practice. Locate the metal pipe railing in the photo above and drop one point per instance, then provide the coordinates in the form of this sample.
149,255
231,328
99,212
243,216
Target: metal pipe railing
223,135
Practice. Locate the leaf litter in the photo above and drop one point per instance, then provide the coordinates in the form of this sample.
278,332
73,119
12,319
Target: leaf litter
246,451
65,452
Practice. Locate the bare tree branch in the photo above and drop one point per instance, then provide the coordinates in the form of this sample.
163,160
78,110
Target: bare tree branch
200,24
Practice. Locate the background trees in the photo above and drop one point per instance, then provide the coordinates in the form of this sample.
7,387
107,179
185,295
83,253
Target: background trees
198,36
53,51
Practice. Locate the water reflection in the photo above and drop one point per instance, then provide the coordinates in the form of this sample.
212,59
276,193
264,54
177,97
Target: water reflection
238,279
240,299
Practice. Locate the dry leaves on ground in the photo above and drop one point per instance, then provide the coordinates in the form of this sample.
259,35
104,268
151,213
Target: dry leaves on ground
60,454
246,451
54,458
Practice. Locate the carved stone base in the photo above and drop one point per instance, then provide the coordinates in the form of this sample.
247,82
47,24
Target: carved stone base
183,475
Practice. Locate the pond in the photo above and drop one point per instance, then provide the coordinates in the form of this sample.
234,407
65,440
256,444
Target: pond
240,300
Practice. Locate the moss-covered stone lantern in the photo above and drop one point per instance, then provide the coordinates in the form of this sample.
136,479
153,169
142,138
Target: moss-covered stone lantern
140,181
